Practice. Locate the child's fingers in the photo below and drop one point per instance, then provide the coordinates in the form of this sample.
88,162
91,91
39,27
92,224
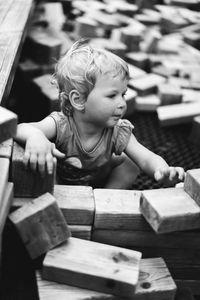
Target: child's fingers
181,173
33,161
161,174
173,173
50,163
41,163
57,153
26,158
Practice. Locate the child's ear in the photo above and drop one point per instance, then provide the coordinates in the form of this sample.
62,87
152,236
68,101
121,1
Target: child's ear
76,100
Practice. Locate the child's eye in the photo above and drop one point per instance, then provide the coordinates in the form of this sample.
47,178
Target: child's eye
111,96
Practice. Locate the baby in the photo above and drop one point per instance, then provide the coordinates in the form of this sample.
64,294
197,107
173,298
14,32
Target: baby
91,141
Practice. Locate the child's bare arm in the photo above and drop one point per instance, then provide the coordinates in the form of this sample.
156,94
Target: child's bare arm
39,150
153,164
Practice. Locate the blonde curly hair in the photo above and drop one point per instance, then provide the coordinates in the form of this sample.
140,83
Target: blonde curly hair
79,68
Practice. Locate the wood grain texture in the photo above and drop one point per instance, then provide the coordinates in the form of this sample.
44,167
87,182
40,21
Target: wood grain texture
155,283
29,183
76,203
118,209
192,184
169,209
93,266
6,148
40,224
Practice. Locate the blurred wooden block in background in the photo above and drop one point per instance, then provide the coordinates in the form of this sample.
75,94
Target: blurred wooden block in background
118,209
147,84
169,94
147,103
28,183
138,59
40,224
6,148
76,203
155,283
192,184
93,266
48,92
8,124
130,101
178,113
4,172
169,209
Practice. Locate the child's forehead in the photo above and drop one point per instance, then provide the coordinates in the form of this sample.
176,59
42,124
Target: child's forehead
111,81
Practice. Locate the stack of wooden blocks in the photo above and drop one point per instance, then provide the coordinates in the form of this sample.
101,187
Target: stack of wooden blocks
161,224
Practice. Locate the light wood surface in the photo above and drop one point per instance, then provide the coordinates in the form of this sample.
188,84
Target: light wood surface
192,184
169,209
8,124
93,266
155,283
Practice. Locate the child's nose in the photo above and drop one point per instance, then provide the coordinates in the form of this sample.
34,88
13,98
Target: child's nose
122,102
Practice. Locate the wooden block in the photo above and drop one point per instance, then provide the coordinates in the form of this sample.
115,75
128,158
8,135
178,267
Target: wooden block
40,224
86,27
155,283
81,231
130,101
8,124
76,203
135,72
6,148
150,42
147,84
138,59
43,47
177,113
147,103
5,205
131,239
131,38
49,92
93,266
4,167
118,209
28,183
169,94
192,183
169,209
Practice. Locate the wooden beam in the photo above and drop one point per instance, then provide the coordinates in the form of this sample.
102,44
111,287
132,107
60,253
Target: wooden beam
192,184
8,124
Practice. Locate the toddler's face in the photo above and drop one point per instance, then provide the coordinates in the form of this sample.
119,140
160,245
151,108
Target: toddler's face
106,103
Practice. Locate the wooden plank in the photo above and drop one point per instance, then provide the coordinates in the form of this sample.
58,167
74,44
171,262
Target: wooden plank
76,203
155,283
192,184
6,148
5,205
14,15
14,20
29,183
118,209
177,113
93,266
81,231
8,124
4,167
131,239
130,102
169,209
40,224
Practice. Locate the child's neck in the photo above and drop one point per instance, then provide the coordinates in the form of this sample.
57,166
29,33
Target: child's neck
88,133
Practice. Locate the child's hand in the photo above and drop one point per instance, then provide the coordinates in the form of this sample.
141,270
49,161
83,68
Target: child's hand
169,175
41,153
